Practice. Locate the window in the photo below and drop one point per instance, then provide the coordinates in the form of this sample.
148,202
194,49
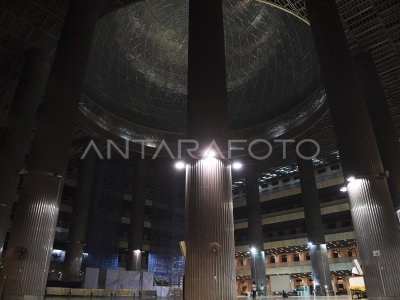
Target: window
335,167
308,256
296,257
284,258
272,259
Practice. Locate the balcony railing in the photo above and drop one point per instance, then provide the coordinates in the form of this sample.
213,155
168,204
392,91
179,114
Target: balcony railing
299,263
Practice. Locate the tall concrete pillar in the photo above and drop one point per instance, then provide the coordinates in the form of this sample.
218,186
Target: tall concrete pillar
315,230
255,230
16,136
31,241
210,262
382,122
80,213
375,223
137,214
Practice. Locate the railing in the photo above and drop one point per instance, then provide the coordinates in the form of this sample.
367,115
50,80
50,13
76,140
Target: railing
292,184
300,263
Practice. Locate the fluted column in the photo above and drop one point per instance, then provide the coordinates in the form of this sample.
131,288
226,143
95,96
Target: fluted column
137,214
210,272
80,213
382,122
31,241
16,135
315,230
374,221
255,230
210,263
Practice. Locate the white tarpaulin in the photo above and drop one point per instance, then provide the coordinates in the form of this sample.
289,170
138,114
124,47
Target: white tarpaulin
112,282
91,278
280,283
162,291
129,280
148,278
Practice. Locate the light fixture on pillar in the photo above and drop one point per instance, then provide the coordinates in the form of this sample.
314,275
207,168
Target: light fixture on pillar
310,244
253,250
237,165
210,153
180,165
351,178
343,189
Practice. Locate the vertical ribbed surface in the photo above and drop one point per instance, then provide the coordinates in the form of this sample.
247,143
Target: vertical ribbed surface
34,228
16,134
80,213
382,121
320,269
50,151
258,272
373,215
376,229
209,219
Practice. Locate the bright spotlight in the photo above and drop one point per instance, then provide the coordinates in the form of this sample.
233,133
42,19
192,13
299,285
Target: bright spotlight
351,178
310,244
343,189
253,250
210,153
237,165
180,165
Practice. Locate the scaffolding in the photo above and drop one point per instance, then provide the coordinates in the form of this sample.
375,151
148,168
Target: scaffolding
168,223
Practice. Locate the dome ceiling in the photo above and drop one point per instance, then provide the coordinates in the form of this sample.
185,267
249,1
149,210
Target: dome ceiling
136,80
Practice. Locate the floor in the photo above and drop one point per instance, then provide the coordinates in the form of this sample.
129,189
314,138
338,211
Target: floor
239,298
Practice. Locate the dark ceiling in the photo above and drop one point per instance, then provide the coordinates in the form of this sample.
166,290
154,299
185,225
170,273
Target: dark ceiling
371,25
137,74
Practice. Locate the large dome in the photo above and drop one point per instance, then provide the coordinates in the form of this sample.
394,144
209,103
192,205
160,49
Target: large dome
136,80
